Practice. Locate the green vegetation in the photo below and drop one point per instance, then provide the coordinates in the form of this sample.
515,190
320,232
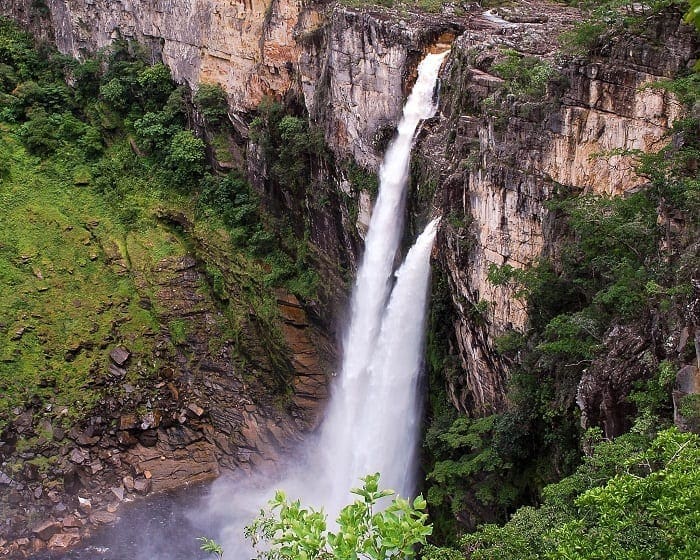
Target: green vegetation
631,498
288,143
211,546
432,6
604,19
525,76
211,102
293,532
91,174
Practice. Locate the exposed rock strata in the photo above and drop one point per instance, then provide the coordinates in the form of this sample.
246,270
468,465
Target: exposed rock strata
202,412
497,170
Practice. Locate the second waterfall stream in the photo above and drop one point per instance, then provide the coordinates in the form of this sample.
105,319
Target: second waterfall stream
373,417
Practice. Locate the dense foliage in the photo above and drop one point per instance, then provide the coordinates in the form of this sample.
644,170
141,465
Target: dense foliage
369,528
94,157
631,498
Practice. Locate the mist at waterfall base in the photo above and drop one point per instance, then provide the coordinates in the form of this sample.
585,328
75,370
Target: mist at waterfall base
372,421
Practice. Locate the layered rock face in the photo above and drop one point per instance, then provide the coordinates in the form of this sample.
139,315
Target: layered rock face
500,159
355,75
248,47
489,164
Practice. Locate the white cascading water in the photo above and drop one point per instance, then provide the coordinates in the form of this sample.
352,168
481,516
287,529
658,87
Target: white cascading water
349,434
371,424
387,426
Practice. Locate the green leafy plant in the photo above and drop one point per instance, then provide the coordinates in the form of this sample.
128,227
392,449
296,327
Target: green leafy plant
525,76
211,102
293,532
211,546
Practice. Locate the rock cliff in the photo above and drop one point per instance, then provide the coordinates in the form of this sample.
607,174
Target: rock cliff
498,156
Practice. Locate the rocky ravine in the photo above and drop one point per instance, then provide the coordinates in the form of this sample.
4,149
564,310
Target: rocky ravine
203,410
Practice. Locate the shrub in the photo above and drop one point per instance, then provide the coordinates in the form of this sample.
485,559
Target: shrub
212,103
525,76
294,532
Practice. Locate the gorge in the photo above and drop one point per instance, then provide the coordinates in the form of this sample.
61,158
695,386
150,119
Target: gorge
565,275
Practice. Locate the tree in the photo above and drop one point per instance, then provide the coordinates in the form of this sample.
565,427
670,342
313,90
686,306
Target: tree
211,102
186,156
292,532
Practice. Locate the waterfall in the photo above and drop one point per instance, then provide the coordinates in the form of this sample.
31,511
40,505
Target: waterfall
351,432
373,416
387,427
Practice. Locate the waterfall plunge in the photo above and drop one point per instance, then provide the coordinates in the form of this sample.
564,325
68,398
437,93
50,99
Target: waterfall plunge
372,420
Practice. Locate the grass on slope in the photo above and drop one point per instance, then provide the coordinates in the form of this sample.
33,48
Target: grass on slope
66,293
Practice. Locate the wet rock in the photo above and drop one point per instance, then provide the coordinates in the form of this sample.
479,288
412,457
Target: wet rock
64,540
118,491
46,529
102,518
84,504
71,521
142,485
128,483
119,355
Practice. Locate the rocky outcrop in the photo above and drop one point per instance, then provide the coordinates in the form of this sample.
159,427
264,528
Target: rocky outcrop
248,47
356,71
207,407
499,158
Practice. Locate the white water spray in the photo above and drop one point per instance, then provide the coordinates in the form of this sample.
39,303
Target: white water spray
387,428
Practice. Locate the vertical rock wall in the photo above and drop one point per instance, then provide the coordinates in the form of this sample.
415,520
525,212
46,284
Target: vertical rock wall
499,159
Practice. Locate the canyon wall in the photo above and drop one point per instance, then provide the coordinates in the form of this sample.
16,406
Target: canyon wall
488,162
499,157
492,160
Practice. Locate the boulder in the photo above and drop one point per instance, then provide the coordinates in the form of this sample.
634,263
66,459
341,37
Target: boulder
128,483
64,540
77,456
102,518
142,485
84,504
47,529
118,491
72,522
119,355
